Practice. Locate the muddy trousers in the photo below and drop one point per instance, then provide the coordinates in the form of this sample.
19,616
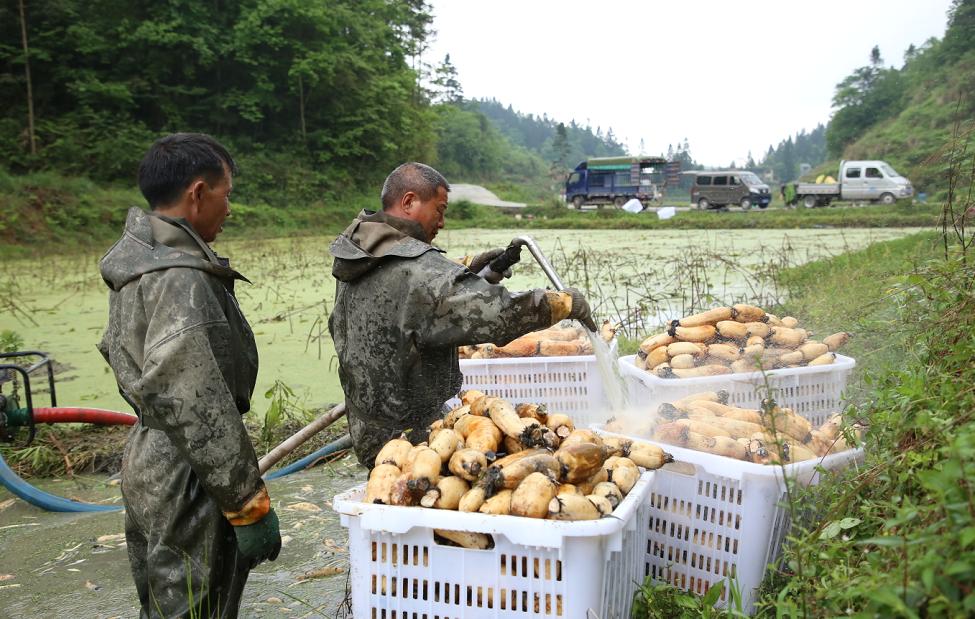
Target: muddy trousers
182,551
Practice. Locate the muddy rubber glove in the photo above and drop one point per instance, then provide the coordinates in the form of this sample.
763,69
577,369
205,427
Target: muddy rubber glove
260,541
580,309
478,262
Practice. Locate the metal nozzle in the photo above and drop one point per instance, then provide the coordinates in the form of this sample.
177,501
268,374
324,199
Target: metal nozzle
543,262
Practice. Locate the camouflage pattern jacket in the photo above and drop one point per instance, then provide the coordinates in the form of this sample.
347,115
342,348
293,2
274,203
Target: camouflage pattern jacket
183,354
401,310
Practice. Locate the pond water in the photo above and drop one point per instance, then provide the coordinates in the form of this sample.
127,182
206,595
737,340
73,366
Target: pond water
59,304
52,562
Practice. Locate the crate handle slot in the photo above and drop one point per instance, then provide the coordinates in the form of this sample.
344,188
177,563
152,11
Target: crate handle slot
680,468
463,539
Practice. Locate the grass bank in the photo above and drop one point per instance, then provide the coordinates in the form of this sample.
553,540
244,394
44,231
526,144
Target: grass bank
551,216
860,292
894,537
44,211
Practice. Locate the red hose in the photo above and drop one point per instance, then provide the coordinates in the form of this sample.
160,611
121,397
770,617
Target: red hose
67,414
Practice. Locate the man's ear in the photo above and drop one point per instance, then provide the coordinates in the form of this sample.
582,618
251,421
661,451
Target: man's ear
195,194
407,201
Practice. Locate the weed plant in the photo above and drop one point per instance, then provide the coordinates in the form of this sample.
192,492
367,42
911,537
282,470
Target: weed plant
663,601
642,296
896,538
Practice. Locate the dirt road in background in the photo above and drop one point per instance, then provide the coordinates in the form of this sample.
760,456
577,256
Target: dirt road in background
479,195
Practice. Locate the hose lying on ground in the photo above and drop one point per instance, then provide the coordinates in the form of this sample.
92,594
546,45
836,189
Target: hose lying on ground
335,446
314,427
45,500
50,502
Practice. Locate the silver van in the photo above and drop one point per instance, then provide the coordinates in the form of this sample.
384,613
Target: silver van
860,181
719,188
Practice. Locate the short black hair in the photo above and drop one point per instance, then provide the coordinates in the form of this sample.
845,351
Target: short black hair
412,176
174,161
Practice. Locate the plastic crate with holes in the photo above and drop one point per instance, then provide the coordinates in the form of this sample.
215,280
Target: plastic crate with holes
814,392
570,385
714,518
536,568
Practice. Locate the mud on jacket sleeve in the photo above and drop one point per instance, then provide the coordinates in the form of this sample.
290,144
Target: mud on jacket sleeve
185,392
465,309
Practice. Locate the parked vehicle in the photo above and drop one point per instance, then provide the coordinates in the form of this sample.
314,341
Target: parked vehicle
868,181
614,180
715,189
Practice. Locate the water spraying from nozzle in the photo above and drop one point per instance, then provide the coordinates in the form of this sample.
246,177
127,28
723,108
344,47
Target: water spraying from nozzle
606,361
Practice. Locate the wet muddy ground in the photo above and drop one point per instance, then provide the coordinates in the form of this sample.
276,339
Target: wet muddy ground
75,565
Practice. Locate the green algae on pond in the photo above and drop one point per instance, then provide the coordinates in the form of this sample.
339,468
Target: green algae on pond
59,304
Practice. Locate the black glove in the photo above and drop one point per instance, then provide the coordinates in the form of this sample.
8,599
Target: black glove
500,261
261,540
580,309
481,260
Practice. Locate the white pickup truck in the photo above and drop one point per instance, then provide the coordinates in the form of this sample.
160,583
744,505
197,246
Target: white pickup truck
866,181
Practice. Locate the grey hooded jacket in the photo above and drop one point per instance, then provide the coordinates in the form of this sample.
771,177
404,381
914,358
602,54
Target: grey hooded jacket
401,310
185,358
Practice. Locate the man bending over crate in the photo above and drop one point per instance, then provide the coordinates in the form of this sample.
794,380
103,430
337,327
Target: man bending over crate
402,309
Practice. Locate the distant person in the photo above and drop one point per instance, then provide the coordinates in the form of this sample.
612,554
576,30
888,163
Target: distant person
197,515
402,309
790,196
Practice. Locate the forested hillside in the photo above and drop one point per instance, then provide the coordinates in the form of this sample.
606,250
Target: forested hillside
784,160
558,142
905,115
317,100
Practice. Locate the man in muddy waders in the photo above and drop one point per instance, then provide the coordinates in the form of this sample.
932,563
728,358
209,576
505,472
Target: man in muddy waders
197,515
402,309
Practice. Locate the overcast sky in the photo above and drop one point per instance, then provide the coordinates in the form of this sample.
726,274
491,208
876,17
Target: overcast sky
730,76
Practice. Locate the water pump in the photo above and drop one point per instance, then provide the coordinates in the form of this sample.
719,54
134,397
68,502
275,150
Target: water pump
12,415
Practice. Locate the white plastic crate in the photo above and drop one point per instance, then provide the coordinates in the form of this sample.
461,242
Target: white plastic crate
537,568
715,518
570,385
813,392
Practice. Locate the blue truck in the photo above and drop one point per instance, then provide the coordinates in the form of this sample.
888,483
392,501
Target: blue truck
614,180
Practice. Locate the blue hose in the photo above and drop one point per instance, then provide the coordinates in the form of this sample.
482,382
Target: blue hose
338,445
52,503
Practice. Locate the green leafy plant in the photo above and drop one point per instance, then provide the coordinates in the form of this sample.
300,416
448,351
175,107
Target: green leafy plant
654,600
284,412
896,536
10,341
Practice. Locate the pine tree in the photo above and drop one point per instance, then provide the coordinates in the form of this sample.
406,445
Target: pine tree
448,88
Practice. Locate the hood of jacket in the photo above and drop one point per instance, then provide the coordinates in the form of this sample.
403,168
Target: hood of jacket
154,242
372,238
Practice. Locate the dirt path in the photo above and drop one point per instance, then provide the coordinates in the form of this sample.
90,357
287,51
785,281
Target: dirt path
479,195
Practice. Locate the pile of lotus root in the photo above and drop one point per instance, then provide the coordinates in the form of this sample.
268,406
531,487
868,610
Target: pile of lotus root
556,341
726,340
491,457
771,435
